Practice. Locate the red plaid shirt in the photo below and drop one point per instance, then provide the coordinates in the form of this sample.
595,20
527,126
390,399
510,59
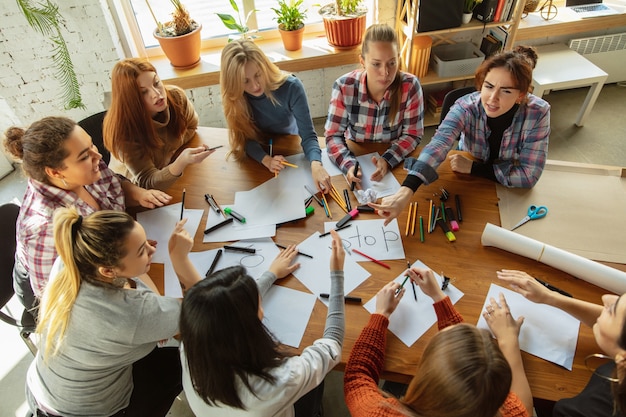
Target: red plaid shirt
35,242
353,115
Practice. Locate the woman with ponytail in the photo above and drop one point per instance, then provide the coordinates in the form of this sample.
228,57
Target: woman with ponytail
378,103
100,323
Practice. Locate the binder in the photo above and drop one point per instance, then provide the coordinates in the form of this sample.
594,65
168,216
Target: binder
485,12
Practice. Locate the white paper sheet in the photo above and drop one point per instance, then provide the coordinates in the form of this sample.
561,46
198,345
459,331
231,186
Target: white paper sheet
583,268
315,273
373,238
329,165
389,184
271,203
287,313
159,224
412,319
547,332
230,232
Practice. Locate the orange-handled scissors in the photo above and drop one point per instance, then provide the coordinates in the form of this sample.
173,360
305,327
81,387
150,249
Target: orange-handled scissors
534,213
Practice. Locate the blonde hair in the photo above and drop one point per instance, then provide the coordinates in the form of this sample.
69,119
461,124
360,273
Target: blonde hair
462,373
236,108
84,245
385,33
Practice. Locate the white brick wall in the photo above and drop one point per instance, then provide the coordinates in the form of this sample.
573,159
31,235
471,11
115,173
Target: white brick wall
28,86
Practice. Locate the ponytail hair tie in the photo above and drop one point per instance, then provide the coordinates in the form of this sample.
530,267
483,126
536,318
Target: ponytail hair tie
77,225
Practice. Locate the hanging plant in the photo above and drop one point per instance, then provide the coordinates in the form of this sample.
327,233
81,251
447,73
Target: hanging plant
46,19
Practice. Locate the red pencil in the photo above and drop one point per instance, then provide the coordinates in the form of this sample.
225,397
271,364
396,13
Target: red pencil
371,259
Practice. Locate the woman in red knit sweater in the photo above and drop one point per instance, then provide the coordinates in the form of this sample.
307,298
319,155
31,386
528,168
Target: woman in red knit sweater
463,372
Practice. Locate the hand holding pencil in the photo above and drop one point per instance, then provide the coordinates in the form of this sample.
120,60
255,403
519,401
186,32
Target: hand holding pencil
427,281
386,299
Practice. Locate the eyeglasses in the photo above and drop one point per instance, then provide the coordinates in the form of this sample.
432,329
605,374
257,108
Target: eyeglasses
593,367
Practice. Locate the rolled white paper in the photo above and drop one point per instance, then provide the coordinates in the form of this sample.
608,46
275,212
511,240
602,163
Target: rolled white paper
596,273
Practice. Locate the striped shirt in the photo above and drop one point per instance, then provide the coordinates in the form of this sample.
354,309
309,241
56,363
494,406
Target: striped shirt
35,241
353,115
523,150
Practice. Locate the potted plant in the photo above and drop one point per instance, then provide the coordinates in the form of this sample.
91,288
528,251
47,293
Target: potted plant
238,24
344,23
468,9
179,38
290,21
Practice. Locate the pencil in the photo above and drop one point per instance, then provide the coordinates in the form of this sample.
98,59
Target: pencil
335,196
408,219
376,261
336,229
326,208
430,214
182,204
421,229
414,217
443,211
288,164
346,197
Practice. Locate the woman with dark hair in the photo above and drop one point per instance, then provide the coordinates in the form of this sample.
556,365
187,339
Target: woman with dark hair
232,365
605,393
64,169
462,373
100,323
503,130
147,125
379,104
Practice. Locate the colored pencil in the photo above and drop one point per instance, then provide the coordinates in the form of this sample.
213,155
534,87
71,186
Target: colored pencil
326,208
376,261
408,219
288,164
299,253
421,229
414,217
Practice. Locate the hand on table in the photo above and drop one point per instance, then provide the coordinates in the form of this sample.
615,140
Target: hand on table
152,198
499,319
524,284
382,167
390,207
460,164
284,264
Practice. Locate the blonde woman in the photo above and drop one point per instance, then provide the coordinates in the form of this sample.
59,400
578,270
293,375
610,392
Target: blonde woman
378,104
100,322
262,104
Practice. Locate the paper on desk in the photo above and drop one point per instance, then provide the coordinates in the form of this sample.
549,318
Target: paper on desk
547,332
159,224
287,313
329,165
412,319
373,238
389,184
315,273
583,268
272,202
230,232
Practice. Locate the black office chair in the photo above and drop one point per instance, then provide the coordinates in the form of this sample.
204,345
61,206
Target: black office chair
93,126
451,97
25,324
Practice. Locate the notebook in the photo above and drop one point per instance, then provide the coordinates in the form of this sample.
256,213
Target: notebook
589,8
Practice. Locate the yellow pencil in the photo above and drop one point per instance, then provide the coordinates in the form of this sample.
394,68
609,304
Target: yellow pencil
430,215
408,220
330,215
288,164
414,217
337,197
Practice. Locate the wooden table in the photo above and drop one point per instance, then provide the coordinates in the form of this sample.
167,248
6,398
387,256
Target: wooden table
471,265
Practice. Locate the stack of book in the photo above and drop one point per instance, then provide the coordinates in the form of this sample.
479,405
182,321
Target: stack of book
494,41
435,101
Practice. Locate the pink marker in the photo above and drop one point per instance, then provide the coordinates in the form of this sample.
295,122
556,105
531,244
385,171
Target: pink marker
351,215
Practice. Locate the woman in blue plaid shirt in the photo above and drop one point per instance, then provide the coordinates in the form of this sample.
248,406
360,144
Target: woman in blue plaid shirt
376,104
503,130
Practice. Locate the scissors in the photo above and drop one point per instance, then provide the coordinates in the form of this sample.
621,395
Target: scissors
534,213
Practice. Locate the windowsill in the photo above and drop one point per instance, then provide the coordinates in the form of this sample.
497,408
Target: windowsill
315,54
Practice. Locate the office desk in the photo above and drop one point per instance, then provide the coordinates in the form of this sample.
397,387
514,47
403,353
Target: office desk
562,68
466,261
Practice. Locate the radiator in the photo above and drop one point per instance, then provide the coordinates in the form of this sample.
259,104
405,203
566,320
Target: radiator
607,52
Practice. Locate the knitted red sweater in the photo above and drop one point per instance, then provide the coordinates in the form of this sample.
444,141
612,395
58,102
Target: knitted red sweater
367,358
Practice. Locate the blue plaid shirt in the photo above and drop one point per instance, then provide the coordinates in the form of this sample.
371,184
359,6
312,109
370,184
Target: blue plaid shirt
523,151
353,115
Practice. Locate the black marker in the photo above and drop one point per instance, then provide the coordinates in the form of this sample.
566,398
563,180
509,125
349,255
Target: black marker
217,226
553,288
346,298
457,200
336,230
365,209
356,171
182,204
239,249
218,255
299,253
209,199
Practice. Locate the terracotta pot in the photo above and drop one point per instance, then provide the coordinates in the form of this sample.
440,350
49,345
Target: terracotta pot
292,39
344,32
182,51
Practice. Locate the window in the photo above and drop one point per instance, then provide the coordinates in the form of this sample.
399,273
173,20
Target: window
139,24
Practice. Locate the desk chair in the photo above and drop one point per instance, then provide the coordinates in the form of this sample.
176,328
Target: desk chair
93,126
25,324
451,97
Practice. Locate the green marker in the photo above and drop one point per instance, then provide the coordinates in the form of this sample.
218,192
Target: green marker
235,215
